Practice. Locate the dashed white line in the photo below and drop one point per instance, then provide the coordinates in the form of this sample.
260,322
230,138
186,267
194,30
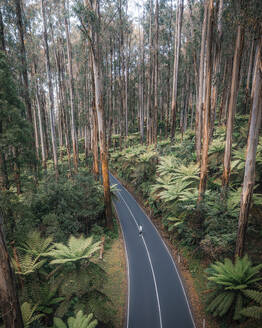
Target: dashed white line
168,251
150,261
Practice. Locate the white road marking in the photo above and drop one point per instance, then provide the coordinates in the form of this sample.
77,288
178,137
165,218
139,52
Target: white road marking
189,308
128,275
150,261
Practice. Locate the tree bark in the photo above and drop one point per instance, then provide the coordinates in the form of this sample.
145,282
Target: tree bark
36,133
95,127
250,165
247,92
176,66
149,77
217,60
232,106
43,151
207,105
9,303
2,33
98,78
201,87
72,94
23,59
51,94
155,123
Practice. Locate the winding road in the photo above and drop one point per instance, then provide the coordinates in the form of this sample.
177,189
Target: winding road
156,296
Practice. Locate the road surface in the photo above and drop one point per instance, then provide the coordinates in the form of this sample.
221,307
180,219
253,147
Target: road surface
156,296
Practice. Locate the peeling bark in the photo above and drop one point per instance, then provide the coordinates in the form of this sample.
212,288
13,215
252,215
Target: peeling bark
232,106
250,165
177,46
207,105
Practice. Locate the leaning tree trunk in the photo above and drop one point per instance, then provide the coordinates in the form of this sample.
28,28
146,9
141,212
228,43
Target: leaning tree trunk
9,303
50,87
250,173
176,65
207,105
232,105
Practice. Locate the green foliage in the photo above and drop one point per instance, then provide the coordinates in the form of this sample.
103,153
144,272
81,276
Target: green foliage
67,206
82,288
37,245
15,129
253,311
78,249
44,294
28,314
229,281
28,264
79,321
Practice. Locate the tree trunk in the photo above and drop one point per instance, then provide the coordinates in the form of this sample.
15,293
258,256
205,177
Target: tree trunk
141,86
190,2
156,76
217,60
36,133
95,127
247,97
43,151
51,94
9,303
201,87
232,105
207,105
250,173
98,78
16,168
2,33
176,66
23,59
72,94
149,77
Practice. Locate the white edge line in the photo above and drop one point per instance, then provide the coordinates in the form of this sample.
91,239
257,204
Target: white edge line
128,276
150,262
168,253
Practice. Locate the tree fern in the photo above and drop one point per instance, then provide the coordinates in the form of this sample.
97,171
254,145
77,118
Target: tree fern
79,321
229,281
37,245
28,314
77,249
253,311
28,264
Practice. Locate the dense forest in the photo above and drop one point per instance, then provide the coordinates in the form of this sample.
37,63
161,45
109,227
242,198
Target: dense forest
167,94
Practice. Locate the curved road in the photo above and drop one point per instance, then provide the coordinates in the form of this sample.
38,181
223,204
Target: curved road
156,297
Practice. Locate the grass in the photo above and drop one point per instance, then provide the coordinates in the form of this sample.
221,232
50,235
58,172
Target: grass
116,285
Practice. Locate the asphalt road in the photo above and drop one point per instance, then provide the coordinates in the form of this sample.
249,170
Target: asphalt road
156,297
